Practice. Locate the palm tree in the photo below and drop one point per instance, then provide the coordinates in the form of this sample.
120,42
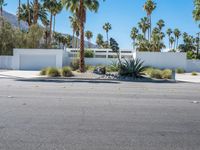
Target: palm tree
50,5
169,33
149,7
89,35
134,33
75,27
26,13
144,25
79,8
57,9
107,27
160,24
196,12
68,40
99,40
177,34
18,14
172,42
35,11
2,4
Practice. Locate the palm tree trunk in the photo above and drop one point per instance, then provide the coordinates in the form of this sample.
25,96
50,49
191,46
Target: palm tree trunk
1,10
54,23
82,61
19,14
150,27
35,12
29,14
169,42
107,38
73,44
177,44
50,34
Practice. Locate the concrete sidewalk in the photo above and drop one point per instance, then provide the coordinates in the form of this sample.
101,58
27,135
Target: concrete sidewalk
19,74
188,77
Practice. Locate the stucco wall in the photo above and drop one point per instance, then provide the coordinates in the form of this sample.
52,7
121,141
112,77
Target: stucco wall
163,60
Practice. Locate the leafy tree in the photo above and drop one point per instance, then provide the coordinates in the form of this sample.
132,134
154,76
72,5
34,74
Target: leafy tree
115,48
99,40
34,36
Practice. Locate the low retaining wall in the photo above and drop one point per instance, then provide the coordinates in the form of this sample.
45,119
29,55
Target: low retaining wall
6,62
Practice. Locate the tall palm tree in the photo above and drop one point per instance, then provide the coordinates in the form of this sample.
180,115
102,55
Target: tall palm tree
50,5
169,33
2,4
57,9
160,24
134,34
75,27
149,7
172,42
177,34
107,27
18,14
144,25
89,35
79,8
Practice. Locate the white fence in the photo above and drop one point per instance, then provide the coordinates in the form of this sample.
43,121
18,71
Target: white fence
6,62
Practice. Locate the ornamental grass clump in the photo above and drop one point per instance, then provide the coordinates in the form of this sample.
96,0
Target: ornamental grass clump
53,72
66,72
167,74
156,73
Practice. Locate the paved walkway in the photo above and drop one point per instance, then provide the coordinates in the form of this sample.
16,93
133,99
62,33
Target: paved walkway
19,74
187,77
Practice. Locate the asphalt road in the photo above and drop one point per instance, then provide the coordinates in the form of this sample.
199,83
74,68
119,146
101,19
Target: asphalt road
99,115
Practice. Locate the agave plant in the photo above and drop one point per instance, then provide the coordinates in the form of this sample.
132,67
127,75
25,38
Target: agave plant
132,68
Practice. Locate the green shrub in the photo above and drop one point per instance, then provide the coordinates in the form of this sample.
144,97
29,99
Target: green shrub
148,70
44,71
53,72
133,68
114,67
194,74
75,64
167,74
180,70
66,72
156,73
89,53
89,68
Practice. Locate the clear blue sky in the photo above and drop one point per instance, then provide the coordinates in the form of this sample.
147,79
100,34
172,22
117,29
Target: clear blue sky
124,14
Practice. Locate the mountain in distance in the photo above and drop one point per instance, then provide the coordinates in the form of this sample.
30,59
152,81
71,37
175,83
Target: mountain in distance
13,20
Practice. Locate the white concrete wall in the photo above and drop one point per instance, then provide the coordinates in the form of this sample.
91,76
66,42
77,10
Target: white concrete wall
163,60
193,65
41,53
6,62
